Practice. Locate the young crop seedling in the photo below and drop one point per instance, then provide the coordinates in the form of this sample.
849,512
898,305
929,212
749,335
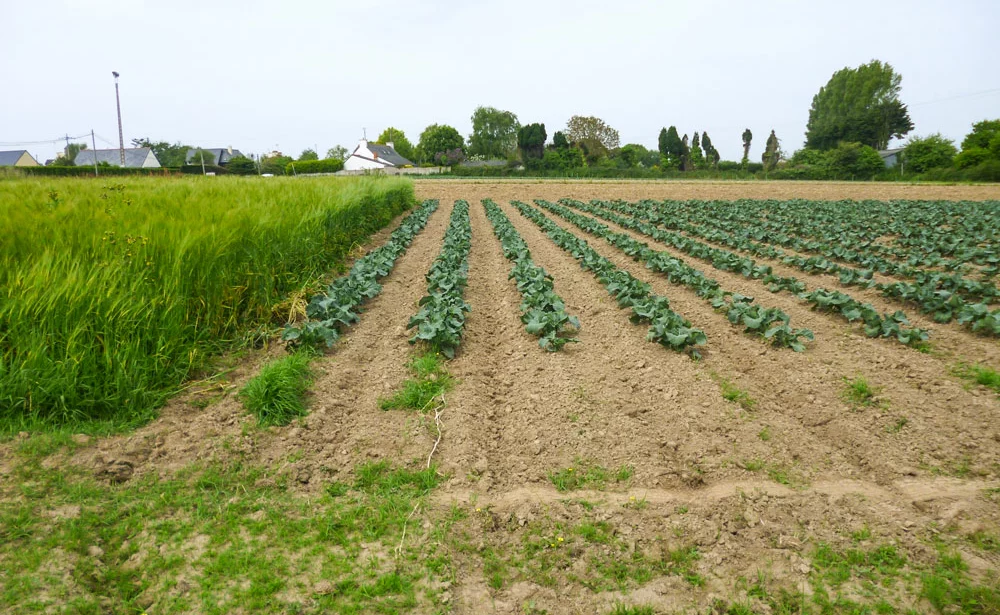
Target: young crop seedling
542,310
979,374
772,324
666,326
441,319
338,308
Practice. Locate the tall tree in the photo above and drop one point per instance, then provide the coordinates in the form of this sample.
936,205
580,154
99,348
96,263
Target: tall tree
670,146
308,154
858,105
438,139
661,142
772,152
559,140
531,141
399,142
684,161
494,133
747,138
593,134
982,133
339,152
696,157
711,154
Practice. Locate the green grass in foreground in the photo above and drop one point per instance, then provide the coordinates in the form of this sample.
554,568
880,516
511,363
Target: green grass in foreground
980,374
276,395
115,290
219,539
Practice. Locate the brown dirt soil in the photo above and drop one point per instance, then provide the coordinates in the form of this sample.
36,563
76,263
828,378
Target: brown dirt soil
631,190
751,489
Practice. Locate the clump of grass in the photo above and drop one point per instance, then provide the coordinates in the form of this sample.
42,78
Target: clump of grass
731,392
625,472
623,609
277,394
859,392
765,434
581,475
981,375
429,382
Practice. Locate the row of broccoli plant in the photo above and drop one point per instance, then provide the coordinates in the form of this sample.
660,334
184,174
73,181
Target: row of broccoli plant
336,309
666,327
542,311
441,319
887,325
944,296
772,324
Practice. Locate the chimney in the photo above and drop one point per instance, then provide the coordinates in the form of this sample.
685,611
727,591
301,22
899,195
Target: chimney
390,145
230,150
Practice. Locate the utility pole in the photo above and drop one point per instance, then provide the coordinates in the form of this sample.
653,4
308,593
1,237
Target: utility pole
67,147
94,142
121,136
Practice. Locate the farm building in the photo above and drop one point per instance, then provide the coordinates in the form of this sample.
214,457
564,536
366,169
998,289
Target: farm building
135,158
370,156
17,158
891,156
220,155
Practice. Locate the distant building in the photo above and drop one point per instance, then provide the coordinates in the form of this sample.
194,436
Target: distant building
135,158
17,158
221,155
891,157
369,156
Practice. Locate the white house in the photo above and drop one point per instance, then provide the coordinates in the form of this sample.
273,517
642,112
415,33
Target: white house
135,158
369,156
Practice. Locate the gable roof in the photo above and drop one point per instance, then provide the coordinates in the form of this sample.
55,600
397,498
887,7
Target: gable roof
221,154
10,158
390,155
885,153
135,157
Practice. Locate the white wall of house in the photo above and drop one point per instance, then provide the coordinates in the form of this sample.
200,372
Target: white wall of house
359,160
150,162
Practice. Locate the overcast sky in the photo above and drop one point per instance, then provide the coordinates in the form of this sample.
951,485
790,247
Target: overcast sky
290,75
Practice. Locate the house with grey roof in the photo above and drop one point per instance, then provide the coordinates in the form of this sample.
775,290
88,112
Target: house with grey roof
17,158
372,156
221,155
135,158
891,157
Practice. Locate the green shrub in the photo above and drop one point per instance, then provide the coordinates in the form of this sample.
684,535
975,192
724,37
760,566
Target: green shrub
306,167
971,157
924,154
277,394
88,171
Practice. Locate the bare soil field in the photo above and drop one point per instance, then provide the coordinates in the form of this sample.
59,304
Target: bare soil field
614,474
632,190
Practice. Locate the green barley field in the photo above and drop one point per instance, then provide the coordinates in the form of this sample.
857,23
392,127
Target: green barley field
113,291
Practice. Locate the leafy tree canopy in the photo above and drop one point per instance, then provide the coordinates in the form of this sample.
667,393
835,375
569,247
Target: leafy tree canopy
339,152
438,139
494,133
593,132
169,155
399,142
308,154
924,153
982,134
858,105
241,165
531,141
559,140
201,155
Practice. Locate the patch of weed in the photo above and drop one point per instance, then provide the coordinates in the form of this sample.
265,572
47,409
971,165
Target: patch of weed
979,374
583,474
859,392
277,394
732,393
430,380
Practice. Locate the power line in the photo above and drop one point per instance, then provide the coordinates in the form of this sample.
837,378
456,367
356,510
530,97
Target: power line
969,95
49,141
